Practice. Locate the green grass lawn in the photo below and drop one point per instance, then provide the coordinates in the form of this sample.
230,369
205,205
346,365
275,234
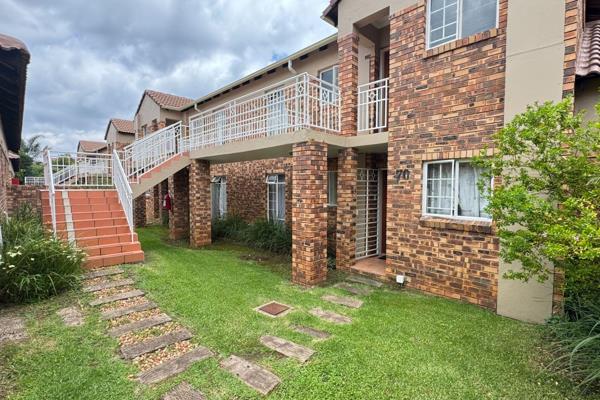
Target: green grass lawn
401,344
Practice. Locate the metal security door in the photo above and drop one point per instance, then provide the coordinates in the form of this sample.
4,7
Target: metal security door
367,213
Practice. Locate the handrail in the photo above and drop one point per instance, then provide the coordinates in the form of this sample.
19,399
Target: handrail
372,106
48,175
124,191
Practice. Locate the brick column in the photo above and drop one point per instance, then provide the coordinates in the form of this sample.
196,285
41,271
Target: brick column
139,211
348,81
309,213
163,189
200,203
156,202
179,214
345,249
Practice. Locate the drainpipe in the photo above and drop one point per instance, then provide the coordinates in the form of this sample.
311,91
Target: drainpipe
290,68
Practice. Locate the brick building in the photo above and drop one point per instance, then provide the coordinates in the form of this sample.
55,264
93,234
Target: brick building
369,134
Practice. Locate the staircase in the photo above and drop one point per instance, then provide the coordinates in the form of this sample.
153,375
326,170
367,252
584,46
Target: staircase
95,221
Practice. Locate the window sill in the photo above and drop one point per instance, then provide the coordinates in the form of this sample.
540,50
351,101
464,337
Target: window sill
456,44
465,225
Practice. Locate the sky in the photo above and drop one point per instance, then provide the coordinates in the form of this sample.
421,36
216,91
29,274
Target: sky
92,60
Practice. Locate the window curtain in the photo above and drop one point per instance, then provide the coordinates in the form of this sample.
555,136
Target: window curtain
281,201
470,201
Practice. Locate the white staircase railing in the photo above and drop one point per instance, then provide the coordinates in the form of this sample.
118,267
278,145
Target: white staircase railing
49,177
373,106
124,191
35,180
81,169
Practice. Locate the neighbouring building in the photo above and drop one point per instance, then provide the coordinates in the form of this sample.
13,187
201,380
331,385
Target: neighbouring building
90,146
119,133
362,142
14,58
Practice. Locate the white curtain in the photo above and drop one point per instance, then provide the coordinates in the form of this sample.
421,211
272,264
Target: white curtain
470,201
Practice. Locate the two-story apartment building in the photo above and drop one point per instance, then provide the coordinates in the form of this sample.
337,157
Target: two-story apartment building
369,134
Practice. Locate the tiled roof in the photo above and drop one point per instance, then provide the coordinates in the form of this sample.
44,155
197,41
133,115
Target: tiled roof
123,125
89,146
169,101
330,13
11,43
588,59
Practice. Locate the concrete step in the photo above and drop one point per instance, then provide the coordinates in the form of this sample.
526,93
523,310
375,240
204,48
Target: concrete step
113,248
108,239
114,259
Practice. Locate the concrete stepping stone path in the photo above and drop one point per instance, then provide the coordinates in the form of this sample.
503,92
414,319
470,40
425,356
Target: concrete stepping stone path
364,281
253,375
344,301
330,316
132,351
71,316
352,289
287,348
174,366
119,296
102,272
183,391
12,329
120,312
315,333
108,285
139,325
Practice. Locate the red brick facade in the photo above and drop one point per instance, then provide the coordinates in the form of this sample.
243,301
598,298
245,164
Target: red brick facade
200,203
17,195
179,216
346,209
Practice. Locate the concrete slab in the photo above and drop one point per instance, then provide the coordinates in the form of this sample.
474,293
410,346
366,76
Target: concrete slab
134,350
287,348
352,289
71,316
317,334
344,301
364,281
116,297
120,312
174,366
330,316
108,285
12,329
139,325
251,374
183,391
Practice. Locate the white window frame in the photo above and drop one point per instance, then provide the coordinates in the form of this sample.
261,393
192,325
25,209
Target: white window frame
336,73
279,180
459,21
222,182
454,202
331,188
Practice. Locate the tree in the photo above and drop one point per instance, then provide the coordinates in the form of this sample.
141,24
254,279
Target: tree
30,154
546,205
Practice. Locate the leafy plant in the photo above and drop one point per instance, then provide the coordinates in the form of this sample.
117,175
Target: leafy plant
33,264
271,236
29,155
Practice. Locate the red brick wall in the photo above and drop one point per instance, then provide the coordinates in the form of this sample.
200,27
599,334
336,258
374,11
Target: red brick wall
16,196
444,103
199,201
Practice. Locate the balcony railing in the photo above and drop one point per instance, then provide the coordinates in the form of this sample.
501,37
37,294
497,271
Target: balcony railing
35,181
303,101
80,169
373,106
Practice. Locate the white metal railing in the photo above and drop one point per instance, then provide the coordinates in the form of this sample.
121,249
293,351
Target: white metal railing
121,181
35,181
152,150
373,106
81,169
303,101
49,178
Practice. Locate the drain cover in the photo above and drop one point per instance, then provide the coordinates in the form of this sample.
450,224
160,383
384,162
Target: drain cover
274,309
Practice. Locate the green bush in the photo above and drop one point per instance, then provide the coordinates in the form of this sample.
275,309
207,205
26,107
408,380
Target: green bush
262,234
33,264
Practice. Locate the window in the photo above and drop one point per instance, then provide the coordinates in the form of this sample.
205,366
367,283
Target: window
331,188
218,189
276,197
277,114
451,189
448,20
329,81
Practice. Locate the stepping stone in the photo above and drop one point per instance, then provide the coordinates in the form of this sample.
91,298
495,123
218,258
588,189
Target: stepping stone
364,281
71,316
108,285
330,316
317,334
287,348
102,272
12,329
183,391
351,289
139,325
116,297
344,301
174,366
135,350
119,312
251,374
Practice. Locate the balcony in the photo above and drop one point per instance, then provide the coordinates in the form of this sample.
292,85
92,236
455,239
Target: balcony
373,106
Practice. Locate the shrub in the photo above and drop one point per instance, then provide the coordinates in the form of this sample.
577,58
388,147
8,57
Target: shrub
231,227
34,265
262,234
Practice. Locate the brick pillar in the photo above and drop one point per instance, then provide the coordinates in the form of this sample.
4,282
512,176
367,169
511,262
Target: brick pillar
139,211
309,213
156,202
348,81
163,189
200,203
345,249
179,214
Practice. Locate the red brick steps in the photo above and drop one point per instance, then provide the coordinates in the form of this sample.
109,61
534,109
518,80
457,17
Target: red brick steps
95,220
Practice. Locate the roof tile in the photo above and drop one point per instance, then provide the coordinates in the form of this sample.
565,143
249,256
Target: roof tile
166,100
123,125
588,59
89,146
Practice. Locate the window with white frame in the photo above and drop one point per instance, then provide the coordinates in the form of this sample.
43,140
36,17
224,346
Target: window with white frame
331,188
448,20
219,197
451,189
329,80
276,197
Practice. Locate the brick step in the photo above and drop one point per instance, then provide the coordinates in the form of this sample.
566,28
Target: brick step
108,249
114,259
82,233
84,208
92,223
92,193
78,216
122,238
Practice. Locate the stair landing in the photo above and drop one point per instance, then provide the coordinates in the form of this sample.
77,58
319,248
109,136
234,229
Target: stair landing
95,221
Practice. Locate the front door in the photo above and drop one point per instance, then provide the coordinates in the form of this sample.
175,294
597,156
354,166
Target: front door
368,214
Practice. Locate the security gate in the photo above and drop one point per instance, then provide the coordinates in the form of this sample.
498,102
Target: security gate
367,213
